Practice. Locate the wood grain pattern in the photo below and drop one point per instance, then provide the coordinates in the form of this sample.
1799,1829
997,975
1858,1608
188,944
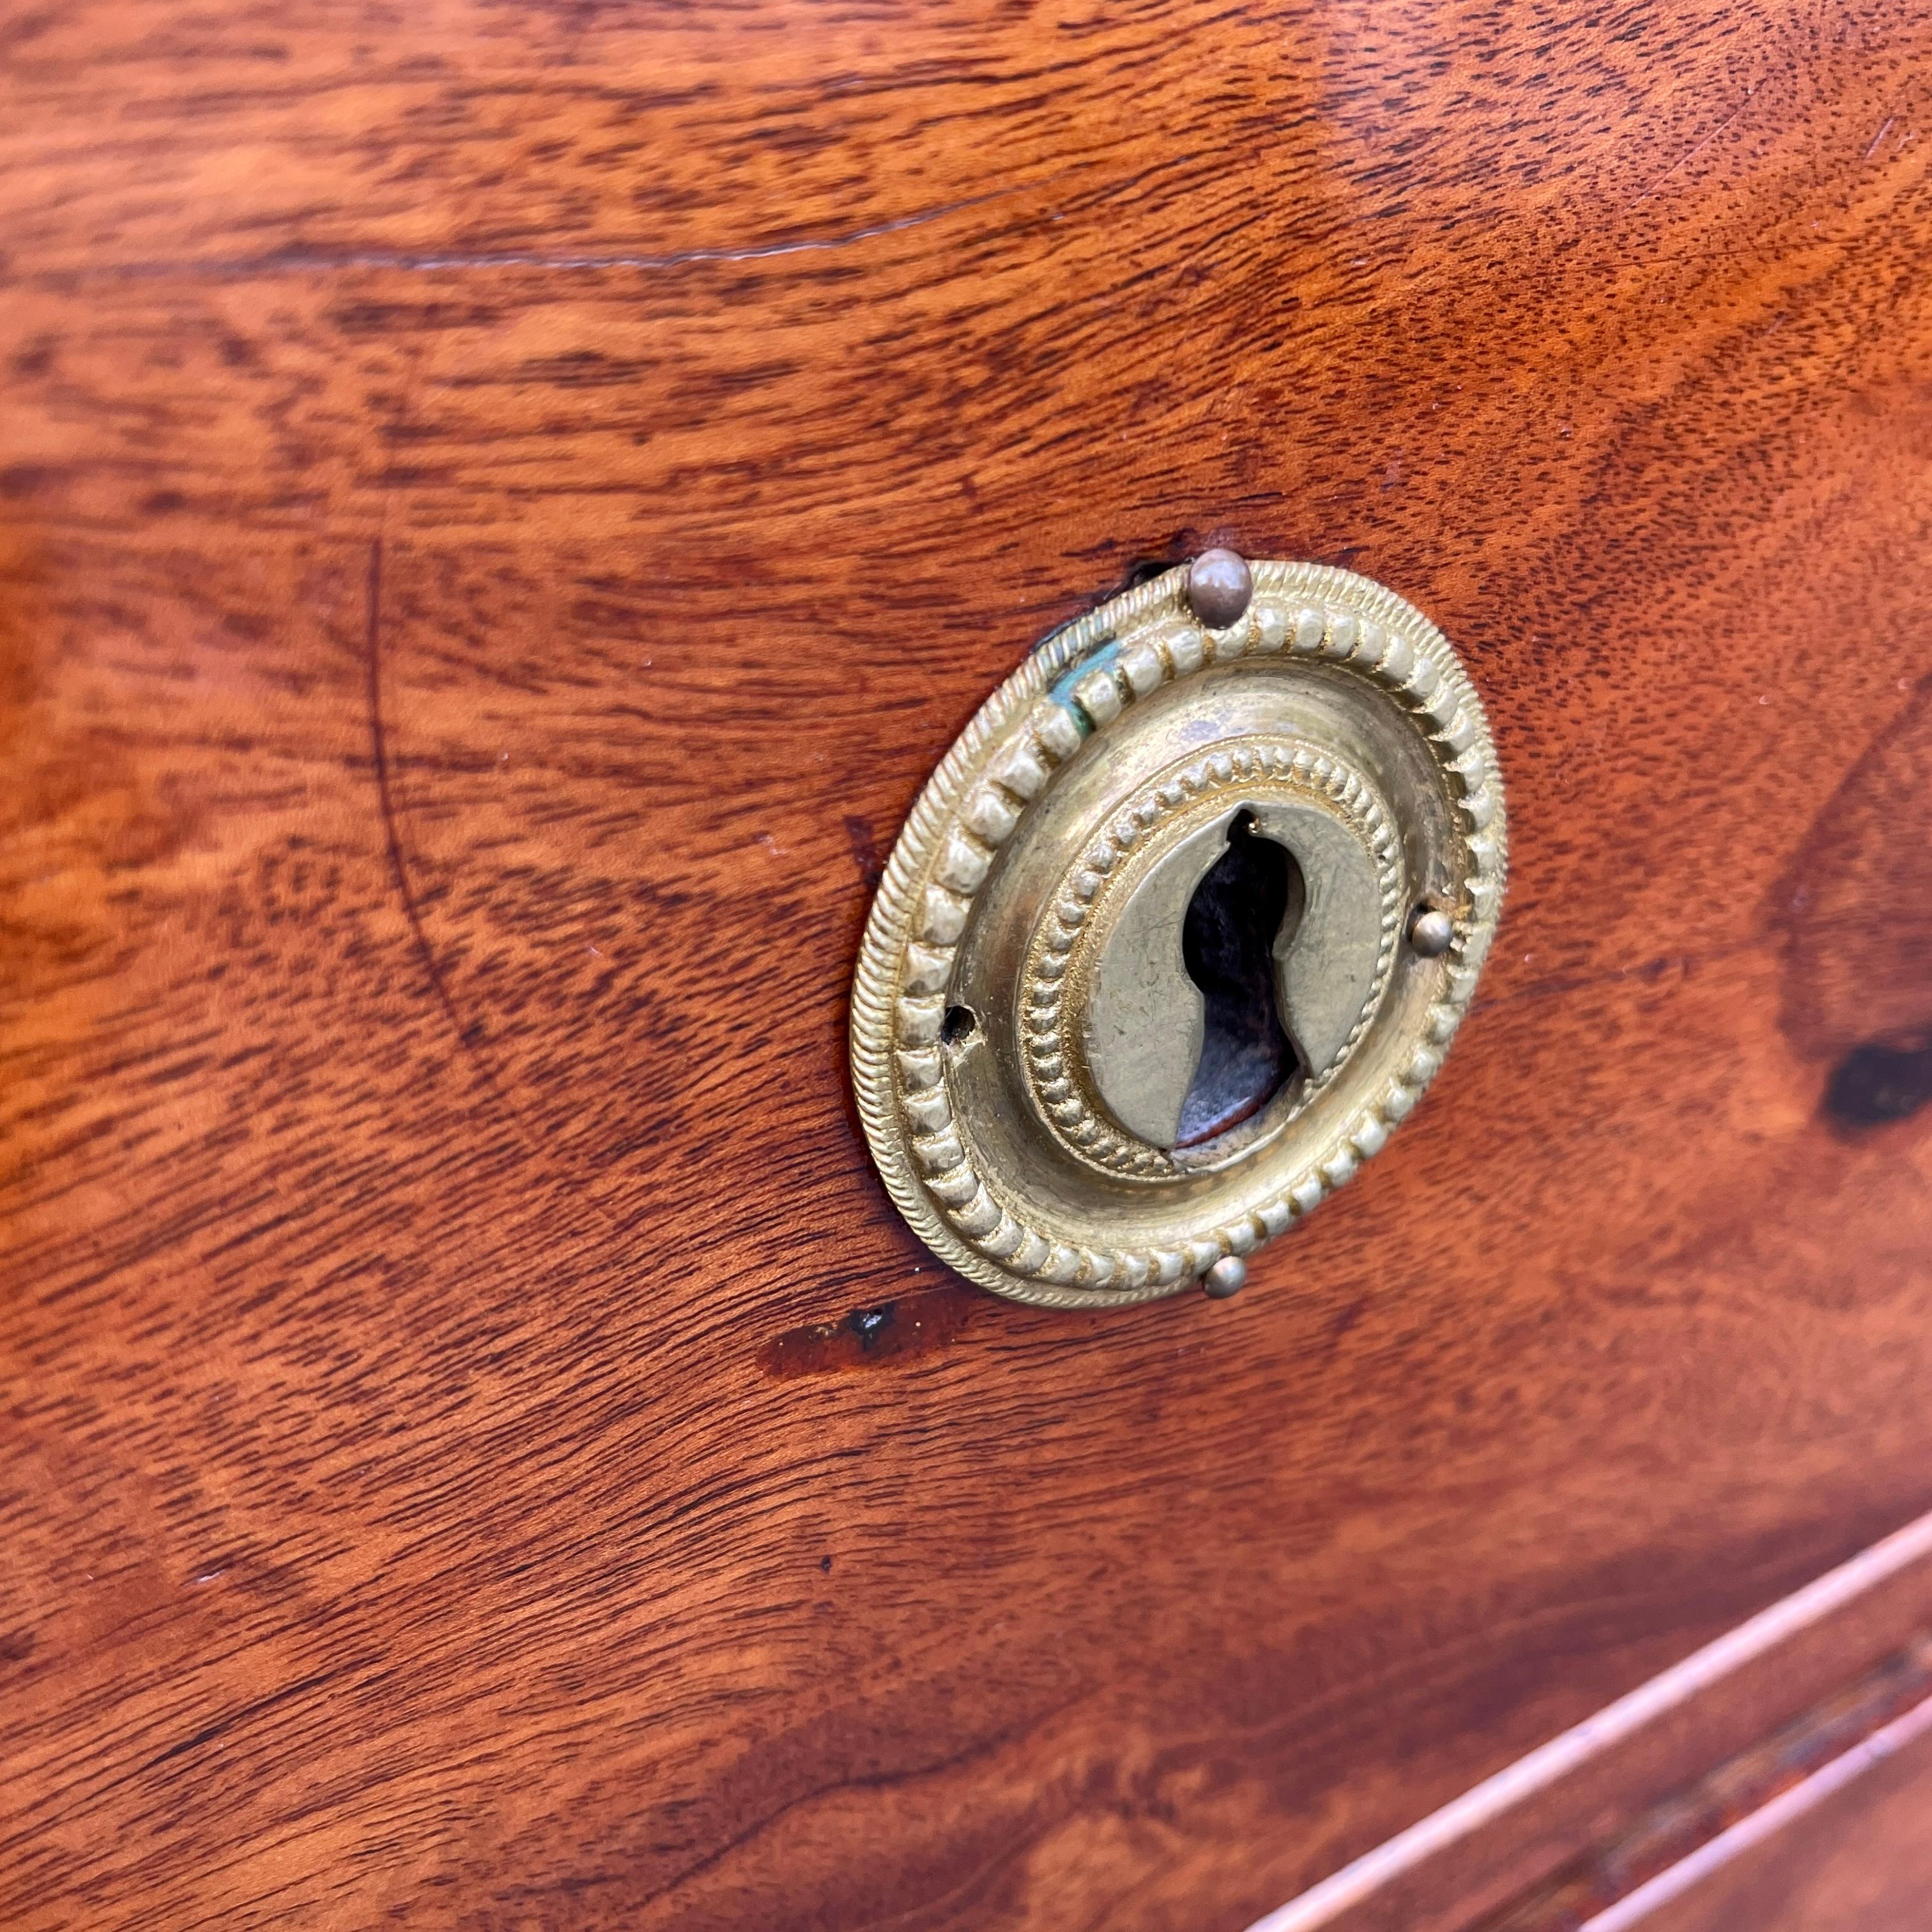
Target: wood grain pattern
502,508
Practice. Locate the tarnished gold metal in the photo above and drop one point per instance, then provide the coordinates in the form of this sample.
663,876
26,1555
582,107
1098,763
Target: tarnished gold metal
1026,1033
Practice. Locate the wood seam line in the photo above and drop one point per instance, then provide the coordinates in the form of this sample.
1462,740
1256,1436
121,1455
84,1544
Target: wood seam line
1540,1769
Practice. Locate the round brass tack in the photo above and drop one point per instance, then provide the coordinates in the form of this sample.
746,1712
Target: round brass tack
1219,586
1431,931
1224,1278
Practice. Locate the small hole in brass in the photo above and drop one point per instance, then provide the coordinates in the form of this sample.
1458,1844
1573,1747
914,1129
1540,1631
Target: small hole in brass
1227,944
960,1024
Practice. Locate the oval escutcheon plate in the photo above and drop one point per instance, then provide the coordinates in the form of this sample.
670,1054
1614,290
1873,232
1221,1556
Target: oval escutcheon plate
1177,933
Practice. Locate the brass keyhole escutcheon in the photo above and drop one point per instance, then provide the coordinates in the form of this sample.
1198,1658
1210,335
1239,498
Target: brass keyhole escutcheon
1162,1069
1177,933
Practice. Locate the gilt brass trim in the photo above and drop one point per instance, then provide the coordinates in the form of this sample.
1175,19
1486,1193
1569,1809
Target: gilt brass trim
1056,765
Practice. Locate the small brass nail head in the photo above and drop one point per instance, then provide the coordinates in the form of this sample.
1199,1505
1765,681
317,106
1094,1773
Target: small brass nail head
1220,587
1224,1278
1431,932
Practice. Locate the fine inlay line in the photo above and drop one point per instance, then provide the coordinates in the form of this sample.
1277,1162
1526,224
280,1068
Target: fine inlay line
1765,1823
1483,1804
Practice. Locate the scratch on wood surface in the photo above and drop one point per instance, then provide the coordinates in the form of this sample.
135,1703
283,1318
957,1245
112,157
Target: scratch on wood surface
385,801
1691,153
305,261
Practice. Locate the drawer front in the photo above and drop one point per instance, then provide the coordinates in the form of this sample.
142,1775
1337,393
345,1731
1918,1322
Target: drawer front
503,510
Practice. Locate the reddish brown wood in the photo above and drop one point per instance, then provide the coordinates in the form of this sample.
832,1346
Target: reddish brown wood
502,508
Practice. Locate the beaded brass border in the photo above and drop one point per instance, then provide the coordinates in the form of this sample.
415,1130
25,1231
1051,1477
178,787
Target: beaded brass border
1036,722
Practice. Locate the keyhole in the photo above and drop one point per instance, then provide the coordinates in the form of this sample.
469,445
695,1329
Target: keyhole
1227,944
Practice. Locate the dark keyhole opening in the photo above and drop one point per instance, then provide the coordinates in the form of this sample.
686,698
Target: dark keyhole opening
1227,943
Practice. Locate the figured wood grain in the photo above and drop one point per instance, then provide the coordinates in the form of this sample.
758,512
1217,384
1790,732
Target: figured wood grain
501,509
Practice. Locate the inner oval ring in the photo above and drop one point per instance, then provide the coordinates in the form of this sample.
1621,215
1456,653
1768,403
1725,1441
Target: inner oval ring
1252,769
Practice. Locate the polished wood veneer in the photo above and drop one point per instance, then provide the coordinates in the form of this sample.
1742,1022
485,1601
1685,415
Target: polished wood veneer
500,508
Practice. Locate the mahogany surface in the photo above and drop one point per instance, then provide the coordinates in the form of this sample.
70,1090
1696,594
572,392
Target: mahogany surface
502,507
